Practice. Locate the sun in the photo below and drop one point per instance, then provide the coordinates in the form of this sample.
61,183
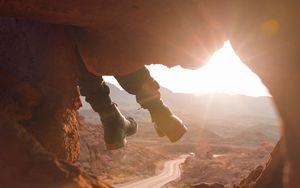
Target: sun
224,73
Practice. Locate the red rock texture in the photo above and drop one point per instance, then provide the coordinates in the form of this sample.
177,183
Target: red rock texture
251,178
271,175
25,163
123,36
39,99
39,56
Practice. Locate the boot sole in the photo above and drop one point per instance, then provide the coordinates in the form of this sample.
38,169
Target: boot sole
176,134
116,145
158,131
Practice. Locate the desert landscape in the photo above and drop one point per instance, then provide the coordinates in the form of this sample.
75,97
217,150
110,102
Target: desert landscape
227,138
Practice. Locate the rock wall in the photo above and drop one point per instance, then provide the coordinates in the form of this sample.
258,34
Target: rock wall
25,163
41,58
39,100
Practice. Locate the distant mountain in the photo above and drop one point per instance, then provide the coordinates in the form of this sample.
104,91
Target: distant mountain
225,115
220,105
198,108
119,96
251,137
259,132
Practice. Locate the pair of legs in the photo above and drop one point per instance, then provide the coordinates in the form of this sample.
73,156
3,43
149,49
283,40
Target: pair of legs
116,126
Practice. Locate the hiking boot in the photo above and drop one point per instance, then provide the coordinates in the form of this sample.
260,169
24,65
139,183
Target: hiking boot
166,123
116,128
158,131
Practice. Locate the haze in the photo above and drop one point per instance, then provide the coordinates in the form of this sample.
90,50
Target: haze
224,73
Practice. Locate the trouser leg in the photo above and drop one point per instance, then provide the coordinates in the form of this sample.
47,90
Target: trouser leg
94,89
142,85
116,126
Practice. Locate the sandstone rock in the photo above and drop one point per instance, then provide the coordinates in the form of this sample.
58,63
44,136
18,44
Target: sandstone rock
123,36
25,163
38,98
251,178
42,73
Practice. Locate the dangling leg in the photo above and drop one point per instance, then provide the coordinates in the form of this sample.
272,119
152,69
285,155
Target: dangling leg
146,89
116,126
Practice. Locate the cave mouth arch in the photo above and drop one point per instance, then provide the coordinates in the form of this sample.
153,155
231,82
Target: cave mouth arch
238,121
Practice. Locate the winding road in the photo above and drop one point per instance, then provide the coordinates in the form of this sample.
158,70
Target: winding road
170,172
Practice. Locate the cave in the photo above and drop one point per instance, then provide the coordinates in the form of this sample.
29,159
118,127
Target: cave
39,75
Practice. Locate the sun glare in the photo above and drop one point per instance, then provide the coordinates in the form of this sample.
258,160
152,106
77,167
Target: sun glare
224,73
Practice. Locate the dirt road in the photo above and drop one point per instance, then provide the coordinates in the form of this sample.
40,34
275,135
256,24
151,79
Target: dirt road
170,172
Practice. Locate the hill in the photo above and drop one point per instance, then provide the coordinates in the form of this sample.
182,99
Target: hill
204,106
224,115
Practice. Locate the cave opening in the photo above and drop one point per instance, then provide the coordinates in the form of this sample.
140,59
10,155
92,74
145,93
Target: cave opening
233,125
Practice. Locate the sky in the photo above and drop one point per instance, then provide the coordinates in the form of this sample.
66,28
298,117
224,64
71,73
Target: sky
223,73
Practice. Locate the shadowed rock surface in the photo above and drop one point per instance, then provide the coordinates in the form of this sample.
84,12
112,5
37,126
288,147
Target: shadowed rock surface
38,77
39,134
